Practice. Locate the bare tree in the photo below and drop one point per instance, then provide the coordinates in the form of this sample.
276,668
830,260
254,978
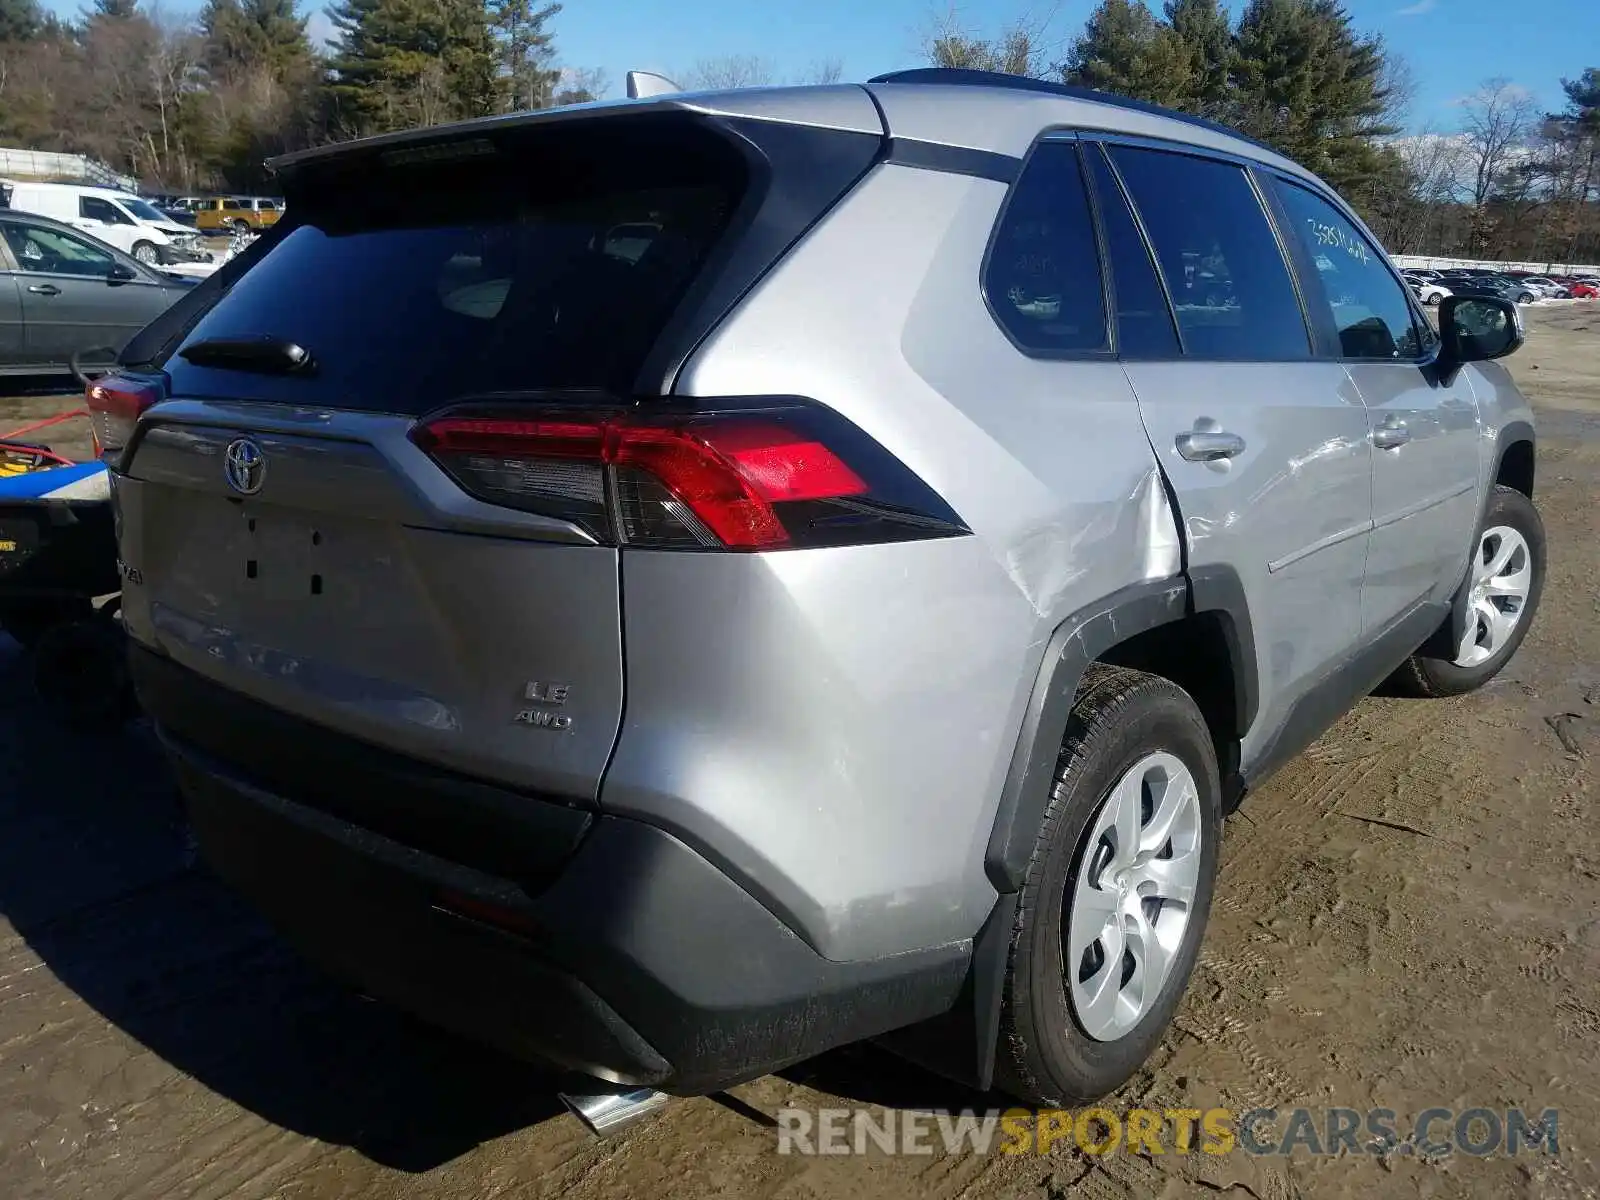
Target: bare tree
1496,120
1020,48
579,85
1399,86
729,71
1496,123
824,70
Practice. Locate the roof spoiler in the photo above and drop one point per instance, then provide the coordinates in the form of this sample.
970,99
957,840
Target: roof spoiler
644,84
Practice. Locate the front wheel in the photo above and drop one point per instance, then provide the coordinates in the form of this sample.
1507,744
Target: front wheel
146,253
1432,299
240,226
1114,904
1494,607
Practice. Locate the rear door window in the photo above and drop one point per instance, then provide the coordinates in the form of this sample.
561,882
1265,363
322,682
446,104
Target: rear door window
418,283
1231,289
1042,277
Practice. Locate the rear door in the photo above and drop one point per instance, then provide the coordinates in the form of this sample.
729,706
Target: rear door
1264,444
296,544
1424,427
70,300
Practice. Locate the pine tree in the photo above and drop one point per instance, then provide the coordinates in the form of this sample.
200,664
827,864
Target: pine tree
247,35
117,10
1583,100
1201,27
405,63
1305,82
1123,49
527,51
20,20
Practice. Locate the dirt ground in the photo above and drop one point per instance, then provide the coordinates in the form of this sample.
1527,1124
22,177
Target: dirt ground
1408,916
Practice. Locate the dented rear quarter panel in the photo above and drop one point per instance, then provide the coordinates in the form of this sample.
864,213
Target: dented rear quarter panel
836,725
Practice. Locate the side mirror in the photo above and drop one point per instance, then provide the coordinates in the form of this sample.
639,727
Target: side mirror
121,273
1478,328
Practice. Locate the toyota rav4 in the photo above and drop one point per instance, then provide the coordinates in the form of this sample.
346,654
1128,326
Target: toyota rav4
673,586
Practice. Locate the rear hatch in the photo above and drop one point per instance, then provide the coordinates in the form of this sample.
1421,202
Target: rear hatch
284,532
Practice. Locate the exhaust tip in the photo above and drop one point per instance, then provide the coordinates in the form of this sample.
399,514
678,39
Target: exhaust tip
606,1114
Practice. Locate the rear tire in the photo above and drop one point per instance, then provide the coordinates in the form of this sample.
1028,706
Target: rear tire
1439,670
1085,923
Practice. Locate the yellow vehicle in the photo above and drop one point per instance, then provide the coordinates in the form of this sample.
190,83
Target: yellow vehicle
226,214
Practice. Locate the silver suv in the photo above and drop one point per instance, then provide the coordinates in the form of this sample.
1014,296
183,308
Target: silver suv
674,586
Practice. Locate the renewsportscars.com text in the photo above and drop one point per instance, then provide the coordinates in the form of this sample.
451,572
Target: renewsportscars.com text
1431,1133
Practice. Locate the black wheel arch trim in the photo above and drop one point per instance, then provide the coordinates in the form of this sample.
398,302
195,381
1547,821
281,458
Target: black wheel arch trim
960,1044
1078,641
1511,434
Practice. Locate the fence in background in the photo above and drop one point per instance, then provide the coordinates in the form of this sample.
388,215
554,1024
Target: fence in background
64,168
1427,262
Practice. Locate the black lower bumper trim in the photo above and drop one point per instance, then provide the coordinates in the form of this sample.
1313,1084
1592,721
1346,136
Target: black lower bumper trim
639,962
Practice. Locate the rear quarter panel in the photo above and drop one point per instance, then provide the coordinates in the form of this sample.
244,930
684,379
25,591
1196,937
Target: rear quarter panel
835,726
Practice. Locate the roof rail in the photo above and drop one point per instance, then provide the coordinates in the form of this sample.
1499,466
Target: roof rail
967,78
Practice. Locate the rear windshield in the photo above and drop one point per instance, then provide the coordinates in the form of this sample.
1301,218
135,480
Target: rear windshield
525,262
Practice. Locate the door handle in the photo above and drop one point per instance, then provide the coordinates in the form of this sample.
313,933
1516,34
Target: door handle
1391,434
44,289
1209,445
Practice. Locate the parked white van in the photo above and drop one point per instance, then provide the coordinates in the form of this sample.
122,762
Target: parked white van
132,225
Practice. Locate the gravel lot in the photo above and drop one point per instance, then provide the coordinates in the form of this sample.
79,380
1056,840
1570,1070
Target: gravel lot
1408,916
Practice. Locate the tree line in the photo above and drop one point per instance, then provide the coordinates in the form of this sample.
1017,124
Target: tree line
188,104
1504,182
184,105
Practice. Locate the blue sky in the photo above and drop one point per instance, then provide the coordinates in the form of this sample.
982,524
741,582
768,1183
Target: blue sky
1452,45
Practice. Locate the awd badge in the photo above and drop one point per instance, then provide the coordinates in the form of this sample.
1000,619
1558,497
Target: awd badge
551,694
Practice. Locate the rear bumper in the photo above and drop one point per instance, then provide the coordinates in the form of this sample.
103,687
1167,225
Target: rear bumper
621,952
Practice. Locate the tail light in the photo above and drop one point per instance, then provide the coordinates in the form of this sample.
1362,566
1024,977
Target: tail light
116,402
743,475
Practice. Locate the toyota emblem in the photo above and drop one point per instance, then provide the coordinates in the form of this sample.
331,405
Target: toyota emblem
244,466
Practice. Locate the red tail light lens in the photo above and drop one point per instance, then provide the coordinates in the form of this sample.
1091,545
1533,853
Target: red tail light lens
741,479
116,402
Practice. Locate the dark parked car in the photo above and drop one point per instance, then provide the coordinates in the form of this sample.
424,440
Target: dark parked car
64,293
174,208
1493,287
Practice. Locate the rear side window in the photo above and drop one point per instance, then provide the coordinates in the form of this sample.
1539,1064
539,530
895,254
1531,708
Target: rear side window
1367,304
1144,322
232,205
1230,287
1042,277
420,281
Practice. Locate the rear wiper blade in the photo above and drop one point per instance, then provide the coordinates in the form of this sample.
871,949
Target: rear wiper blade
274,356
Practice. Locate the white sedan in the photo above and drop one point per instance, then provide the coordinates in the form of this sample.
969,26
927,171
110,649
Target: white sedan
1427,290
